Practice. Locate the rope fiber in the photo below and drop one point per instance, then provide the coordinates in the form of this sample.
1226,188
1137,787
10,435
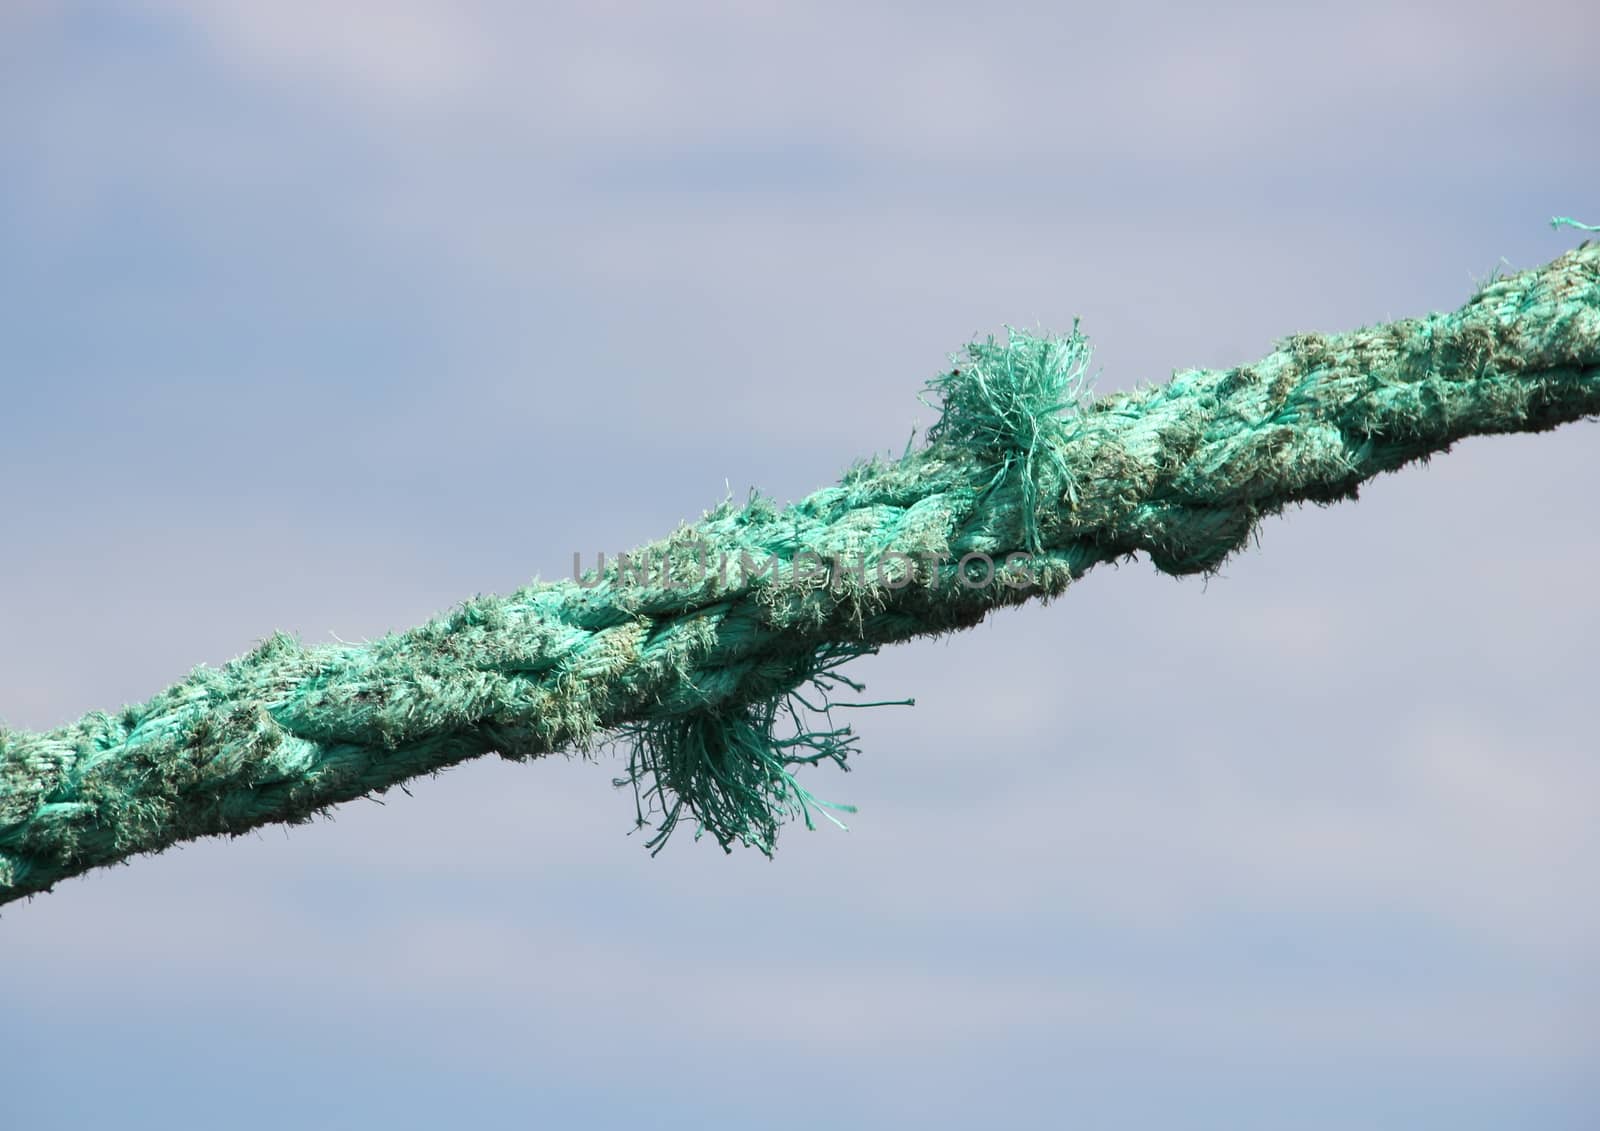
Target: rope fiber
722,681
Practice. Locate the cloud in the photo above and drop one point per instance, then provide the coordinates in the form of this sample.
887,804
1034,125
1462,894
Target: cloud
404,55
939,80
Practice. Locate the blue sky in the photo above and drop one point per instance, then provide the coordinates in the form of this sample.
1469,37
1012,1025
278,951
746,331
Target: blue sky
324,317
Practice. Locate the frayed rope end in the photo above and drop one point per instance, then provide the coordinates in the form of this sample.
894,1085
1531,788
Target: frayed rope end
733,770
1015,401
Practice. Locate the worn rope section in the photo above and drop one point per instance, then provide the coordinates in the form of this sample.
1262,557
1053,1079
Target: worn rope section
721,685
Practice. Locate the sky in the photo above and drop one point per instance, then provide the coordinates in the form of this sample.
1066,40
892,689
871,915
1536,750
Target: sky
324,317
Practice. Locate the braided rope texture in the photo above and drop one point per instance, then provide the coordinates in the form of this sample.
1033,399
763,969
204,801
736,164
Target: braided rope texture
723,687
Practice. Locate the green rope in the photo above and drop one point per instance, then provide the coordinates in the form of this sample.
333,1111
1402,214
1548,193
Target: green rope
715,654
